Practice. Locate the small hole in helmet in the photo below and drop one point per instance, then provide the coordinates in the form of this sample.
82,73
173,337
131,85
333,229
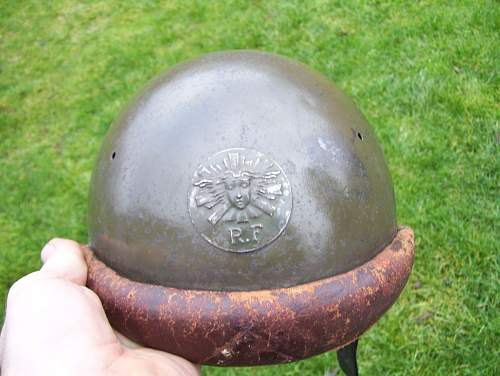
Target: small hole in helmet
113,155
360,136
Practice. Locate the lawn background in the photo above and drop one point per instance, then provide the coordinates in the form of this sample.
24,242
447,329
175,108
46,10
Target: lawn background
425,74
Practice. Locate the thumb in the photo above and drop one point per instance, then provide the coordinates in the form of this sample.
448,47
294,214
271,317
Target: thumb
64,259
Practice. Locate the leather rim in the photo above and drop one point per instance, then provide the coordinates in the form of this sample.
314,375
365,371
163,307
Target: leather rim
242,328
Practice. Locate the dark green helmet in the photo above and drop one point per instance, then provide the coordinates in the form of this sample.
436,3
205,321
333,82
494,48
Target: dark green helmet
241,212
240,171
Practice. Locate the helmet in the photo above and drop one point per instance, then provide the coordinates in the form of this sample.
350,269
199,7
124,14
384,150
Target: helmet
241,212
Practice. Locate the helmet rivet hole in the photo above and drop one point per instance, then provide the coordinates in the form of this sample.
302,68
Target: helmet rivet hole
113,155
360,136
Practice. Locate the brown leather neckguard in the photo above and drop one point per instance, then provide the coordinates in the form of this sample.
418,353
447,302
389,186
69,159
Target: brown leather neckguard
240,328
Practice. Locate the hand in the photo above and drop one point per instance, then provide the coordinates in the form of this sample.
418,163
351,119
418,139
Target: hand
54,325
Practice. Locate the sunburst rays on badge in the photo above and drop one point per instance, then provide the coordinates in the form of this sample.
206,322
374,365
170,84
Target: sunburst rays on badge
237,188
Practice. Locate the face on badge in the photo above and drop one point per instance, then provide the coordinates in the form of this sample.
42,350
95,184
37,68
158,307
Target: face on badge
238,192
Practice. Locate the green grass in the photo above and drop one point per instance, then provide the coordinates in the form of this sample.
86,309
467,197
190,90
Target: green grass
425,73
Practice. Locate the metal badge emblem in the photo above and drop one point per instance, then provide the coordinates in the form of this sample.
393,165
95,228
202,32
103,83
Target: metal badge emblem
240,200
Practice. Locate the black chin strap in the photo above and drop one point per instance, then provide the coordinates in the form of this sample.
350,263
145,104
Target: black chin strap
347,359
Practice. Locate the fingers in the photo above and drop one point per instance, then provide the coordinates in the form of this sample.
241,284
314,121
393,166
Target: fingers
64,259
2,345
143,361
158,362
126,342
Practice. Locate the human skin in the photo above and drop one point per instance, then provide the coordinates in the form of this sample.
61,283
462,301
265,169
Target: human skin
54,325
